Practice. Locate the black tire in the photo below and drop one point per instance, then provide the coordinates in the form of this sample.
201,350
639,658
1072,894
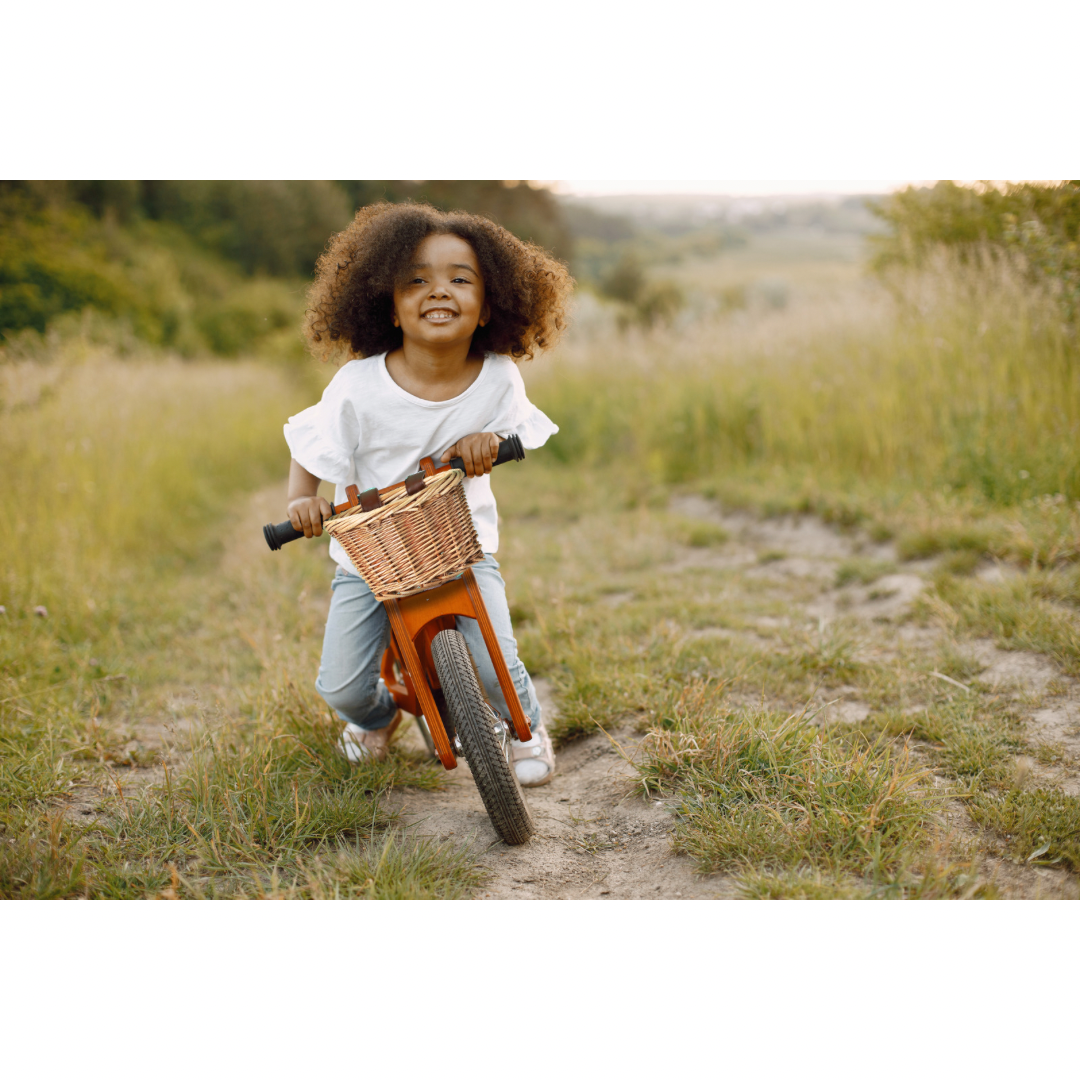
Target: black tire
476,728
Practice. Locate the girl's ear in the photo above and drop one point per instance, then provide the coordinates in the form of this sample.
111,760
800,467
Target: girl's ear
485,316
393,314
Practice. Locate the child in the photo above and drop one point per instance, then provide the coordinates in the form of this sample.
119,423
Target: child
431,311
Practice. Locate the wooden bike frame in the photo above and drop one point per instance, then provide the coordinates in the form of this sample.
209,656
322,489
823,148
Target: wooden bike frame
414,622
408,669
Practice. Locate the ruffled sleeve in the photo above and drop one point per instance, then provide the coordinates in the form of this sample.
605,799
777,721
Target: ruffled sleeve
325,437
528,423
533,428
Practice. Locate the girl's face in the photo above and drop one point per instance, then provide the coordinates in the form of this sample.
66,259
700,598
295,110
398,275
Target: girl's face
441,299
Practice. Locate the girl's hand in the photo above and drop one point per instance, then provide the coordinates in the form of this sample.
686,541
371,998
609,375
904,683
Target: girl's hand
307,513
478,452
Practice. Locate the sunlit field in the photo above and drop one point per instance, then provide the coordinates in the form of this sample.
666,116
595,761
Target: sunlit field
160,736
952,380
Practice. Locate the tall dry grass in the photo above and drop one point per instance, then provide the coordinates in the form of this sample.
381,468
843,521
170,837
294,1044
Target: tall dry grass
118,480
114,469
120,476
125,480
956,377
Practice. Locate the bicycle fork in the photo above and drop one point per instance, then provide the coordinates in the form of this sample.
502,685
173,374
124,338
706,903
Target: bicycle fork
414,622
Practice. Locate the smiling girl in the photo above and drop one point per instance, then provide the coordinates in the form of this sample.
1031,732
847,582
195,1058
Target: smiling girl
429,314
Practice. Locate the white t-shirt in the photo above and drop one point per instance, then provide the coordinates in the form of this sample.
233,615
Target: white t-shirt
368,431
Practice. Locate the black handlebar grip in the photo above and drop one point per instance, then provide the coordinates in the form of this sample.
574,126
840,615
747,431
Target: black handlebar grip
284,533
510,449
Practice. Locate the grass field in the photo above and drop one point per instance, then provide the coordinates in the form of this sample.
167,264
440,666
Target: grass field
159,733
141,736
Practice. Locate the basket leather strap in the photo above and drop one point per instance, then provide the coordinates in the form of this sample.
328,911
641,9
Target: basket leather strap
369,500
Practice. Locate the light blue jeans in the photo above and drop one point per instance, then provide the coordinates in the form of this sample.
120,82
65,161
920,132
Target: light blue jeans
358,632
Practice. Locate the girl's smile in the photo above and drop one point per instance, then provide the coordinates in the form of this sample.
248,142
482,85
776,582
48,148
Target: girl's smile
438,305
441,300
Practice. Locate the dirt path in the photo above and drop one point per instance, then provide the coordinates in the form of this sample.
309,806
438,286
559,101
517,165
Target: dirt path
596,839
599,839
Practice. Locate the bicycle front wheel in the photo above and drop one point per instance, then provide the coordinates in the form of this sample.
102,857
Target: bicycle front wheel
485,738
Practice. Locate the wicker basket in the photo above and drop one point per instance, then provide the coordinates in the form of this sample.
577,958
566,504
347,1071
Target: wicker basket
411,542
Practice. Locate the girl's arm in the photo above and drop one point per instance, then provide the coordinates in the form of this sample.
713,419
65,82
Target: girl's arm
306,508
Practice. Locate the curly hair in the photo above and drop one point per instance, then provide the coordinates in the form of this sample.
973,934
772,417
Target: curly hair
350,302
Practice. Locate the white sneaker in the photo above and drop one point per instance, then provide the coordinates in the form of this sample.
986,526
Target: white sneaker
357,743
534,761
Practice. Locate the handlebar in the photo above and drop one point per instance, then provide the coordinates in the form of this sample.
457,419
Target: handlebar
510,449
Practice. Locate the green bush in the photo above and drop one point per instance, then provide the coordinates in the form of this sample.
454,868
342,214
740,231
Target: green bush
1038,222
275,227
54,260
248,313
209,266
64,271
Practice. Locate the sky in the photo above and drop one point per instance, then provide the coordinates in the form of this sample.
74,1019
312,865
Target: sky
737,98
